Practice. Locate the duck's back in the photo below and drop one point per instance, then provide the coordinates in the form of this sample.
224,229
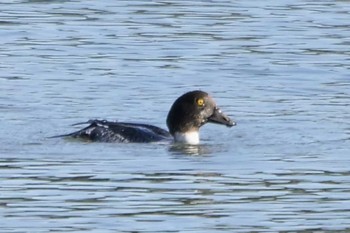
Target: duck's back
107,131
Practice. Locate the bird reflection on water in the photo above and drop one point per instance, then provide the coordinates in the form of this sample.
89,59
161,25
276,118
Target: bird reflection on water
193,150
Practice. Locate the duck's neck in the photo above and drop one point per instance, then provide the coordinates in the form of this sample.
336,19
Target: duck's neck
191,137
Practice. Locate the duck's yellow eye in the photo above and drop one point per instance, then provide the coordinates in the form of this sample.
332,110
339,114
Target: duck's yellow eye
200,102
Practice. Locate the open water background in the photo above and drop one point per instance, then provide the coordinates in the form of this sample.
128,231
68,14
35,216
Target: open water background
279,68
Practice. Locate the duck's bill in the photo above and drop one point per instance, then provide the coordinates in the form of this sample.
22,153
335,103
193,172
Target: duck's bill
219,117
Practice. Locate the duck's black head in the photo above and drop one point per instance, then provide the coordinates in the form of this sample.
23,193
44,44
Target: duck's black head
192,110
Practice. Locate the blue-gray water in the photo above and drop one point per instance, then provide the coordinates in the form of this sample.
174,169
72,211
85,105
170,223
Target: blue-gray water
279,68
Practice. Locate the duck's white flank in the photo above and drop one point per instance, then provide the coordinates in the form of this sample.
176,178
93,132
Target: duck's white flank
188,138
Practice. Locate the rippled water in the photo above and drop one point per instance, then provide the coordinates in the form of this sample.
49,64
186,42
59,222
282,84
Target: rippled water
280,69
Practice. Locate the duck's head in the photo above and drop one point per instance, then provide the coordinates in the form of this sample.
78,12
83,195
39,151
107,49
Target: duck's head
189,112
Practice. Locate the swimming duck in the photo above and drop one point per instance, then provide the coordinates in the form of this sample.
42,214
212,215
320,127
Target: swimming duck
188,113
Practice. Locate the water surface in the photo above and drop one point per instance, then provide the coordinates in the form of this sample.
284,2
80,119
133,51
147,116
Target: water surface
280,69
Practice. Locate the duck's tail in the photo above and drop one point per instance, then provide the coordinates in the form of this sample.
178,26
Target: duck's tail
74,134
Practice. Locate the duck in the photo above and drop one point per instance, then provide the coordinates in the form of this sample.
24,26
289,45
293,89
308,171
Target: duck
186,116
